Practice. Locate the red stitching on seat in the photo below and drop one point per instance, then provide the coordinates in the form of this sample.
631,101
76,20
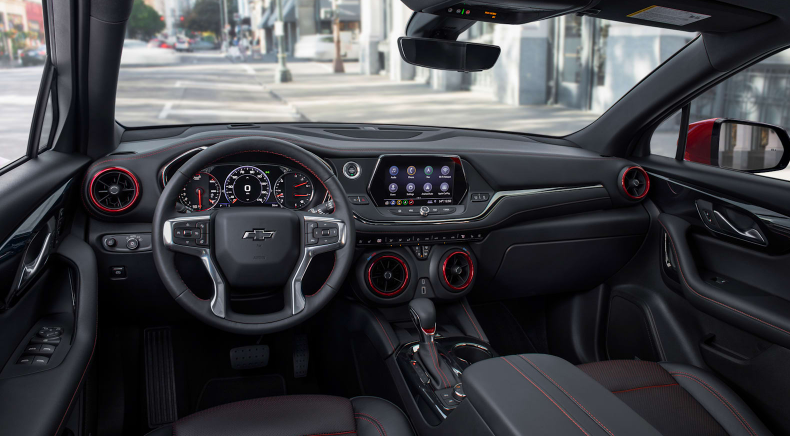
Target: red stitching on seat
363,415
470,319
711,299
547,396
721,398
645,387
566,393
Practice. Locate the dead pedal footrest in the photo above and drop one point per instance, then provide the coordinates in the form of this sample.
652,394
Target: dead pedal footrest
160,376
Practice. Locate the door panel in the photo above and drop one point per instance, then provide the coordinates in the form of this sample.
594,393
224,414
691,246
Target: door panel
725,252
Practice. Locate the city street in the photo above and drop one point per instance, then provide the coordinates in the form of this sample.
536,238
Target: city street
18,90
209,88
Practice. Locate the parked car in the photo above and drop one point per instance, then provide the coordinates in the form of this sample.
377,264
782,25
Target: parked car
36,56
183,44
159,43
138,53
322,47
203,45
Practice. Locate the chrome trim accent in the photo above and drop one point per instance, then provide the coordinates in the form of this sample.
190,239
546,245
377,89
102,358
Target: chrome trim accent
359,170
451,156
767,216
751,235
204,253
496,198
18,240
298,301
167,165
30,269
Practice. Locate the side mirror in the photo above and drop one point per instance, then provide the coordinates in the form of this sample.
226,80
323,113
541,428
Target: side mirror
738,145
448,55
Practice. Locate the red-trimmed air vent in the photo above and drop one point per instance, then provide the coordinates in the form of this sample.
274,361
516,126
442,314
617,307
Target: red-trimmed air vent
635,182
114,190
458,270
387,275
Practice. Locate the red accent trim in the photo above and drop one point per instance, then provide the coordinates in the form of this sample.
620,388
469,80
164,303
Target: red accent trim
468,279
720,397
480,335
645,387
546,395
647,182
402,286
429,331
123,170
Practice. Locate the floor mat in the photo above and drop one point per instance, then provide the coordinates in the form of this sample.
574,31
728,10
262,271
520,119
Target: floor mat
220,391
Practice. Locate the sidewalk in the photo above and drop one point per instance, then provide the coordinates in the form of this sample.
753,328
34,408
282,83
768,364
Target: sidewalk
319,95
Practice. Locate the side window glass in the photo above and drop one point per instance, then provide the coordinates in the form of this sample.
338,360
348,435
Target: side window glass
23,53
664,141
742,123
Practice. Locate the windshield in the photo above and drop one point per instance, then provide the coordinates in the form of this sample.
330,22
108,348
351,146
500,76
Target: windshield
554,77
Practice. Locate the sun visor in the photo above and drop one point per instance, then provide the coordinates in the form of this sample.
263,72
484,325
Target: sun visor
705,16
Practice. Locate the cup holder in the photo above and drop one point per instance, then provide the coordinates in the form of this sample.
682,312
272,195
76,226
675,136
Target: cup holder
470,354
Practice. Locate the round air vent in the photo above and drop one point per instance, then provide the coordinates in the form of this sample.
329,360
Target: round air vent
114,190
457,270
387,275
635,183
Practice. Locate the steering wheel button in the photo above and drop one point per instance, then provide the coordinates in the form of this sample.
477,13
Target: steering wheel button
311,240
309,226
185,242
184,225
203,242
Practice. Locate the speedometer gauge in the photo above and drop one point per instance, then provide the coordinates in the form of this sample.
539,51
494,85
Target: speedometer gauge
247,185
200,193
293,190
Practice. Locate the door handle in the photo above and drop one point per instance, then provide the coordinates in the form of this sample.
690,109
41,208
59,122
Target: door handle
28,270
753,235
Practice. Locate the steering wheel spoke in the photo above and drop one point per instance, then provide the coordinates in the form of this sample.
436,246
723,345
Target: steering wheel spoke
192,235
322,234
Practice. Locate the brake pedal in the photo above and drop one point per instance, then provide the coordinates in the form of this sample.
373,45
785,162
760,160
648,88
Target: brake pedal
301,355
160,376
250,357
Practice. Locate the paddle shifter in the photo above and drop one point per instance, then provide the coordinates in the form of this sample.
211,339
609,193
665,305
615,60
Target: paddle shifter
423,313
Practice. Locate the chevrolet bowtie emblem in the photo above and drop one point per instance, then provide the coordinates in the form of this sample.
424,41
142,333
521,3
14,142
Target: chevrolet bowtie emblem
258,235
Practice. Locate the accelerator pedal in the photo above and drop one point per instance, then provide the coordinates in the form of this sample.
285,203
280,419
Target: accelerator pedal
249,357
160,376
301,355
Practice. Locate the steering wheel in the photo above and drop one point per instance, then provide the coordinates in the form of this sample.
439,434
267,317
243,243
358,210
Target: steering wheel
253,247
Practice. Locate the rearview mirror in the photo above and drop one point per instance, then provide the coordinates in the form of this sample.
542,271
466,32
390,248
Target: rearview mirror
738,145
448,55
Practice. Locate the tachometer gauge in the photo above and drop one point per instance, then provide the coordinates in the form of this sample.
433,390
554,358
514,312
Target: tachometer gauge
201,192
293,190
247,185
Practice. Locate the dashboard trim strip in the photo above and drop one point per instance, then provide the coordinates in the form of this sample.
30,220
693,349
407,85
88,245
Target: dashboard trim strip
495,199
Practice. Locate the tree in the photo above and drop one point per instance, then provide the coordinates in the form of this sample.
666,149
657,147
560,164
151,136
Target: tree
145,22
204,17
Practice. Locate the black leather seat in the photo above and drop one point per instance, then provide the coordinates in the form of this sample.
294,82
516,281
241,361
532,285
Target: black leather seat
542,395
677,399
295,415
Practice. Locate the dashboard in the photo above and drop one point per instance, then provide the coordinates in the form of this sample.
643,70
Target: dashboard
438,208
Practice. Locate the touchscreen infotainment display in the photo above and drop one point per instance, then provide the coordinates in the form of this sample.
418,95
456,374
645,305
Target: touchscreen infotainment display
417,180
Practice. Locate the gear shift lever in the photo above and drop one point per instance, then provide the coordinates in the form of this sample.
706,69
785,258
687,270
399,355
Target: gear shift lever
423,313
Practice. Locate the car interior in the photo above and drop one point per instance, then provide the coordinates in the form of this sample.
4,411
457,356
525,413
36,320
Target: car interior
317,279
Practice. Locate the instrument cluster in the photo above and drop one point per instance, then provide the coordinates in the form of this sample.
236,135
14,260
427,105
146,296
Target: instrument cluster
240,185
